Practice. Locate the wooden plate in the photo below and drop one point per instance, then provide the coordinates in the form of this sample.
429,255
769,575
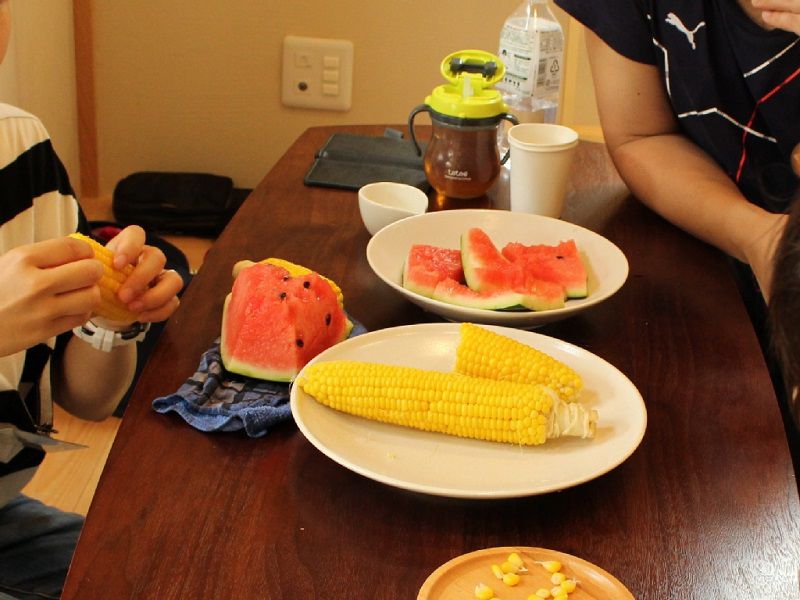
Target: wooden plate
456,579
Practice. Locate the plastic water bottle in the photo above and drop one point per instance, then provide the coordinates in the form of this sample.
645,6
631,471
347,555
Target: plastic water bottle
532,49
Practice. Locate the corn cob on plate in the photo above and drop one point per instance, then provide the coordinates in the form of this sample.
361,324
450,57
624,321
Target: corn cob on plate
446,465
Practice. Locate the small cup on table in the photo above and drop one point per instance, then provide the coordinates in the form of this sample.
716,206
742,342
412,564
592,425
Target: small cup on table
385,202
541,158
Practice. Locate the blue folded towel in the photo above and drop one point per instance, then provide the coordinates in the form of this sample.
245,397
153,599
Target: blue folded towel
214,399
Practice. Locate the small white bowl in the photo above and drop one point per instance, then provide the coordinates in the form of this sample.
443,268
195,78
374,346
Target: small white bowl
385,202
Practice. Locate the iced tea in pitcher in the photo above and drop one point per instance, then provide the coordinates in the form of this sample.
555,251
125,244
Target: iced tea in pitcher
462,159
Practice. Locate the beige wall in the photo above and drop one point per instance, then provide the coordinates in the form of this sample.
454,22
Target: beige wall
38,73
188,85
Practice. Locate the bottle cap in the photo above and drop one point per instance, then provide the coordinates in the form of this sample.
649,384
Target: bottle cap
469,93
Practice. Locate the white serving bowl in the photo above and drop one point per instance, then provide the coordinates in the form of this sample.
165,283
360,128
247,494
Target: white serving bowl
387,251
385,202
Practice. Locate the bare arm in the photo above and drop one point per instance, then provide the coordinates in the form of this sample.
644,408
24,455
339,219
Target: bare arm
90,383
668,172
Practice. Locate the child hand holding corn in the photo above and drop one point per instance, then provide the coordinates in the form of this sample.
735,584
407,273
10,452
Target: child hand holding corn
62,284
54,286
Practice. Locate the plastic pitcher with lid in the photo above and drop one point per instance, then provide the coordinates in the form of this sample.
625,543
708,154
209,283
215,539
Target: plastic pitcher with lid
462,159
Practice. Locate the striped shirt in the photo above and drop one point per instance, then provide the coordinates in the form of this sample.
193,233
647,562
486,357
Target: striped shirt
36,204
733,86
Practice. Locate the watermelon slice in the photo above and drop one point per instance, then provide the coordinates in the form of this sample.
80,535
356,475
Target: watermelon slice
454,292
273,323
540,295
427,265
560,264
487,270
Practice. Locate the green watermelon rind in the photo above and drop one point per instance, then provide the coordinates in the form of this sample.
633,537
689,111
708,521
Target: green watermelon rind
498,300
517,308
409,284
581,291
539,302
471,264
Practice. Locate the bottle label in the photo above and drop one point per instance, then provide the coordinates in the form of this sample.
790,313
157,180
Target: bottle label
532,60
457,175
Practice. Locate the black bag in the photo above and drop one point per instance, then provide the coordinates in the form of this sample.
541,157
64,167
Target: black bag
188,203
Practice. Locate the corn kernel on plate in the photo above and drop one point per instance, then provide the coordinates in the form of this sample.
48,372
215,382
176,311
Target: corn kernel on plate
459,577
444,465
387,250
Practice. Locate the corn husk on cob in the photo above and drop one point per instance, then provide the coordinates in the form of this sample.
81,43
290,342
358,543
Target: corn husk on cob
111,307
451,403
484,353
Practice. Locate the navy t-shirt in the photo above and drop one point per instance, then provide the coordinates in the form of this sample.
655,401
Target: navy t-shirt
734,87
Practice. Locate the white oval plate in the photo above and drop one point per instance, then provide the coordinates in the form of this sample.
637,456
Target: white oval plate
387,251
443,465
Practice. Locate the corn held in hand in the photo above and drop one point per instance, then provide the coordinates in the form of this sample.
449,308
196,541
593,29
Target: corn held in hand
451,403
111,307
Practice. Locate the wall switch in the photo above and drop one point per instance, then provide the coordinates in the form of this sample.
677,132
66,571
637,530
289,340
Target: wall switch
317,73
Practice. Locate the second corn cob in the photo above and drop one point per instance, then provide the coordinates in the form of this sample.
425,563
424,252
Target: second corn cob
484,353
111,307
451,403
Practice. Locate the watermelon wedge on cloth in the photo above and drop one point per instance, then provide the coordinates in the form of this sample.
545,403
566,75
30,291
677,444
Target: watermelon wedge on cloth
427,265
560,264
487,270
274,323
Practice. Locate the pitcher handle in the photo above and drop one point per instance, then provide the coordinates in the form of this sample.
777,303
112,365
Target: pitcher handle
514,121
416,110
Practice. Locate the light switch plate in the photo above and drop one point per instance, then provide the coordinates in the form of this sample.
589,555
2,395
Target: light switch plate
308,79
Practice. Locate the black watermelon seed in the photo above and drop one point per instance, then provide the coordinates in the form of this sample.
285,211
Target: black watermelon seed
299,343
328,319
306,284
286,278
282,295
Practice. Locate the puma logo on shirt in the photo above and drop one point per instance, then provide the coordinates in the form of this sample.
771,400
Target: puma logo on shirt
676,22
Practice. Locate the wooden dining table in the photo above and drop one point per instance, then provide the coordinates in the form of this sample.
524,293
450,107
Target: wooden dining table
706,507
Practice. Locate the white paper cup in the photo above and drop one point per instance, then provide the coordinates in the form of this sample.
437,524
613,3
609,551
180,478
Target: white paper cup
385,202
541,158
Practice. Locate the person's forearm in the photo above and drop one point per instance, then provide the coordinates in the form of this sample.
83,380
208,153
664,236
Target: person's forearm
667,171
91,383
684,185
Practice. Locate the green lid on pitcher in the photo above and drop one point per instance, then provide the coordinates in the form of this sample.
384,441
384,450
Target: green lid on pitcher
462,158
470,93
